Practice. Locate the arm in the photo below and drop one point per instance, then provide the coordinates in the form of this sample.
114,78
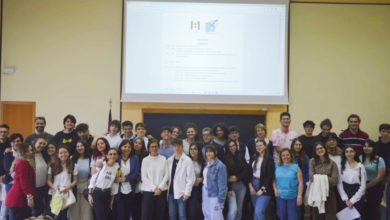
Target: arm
311,170
340,188
358,195
26,176
145,177
222,184
334,175
49,180
300,187
190,179
380,174
135,169
165,179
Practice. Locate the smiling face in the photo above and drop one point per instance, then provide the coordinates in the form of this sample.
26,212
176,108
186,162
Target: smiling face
191,133
368,149
63,154
353,123
126,149
260,147
194,151
285,121
40,144
260,133
234,135
16,143
219,133
40,125
80,148
112,156
175,133
137,145
51,149
101,146
69,125
232,147
210,155
350,153
320,150
153,149
286,157
297,146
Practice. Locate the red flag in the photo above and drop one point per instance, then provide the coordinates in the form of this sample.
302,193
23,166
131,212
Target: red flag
109,120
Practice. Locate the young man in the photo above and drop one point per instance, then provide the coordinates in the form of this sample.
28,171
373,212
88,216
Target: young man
326,128
82,130
208,138
4,144
127,128
353,135
234,135
113,137
307,139
166,148
140,131
283,136
383,144
181,179
68,136
40,124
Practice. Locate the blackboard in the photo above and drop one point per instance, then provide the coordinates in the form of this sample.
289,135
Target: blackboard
155,121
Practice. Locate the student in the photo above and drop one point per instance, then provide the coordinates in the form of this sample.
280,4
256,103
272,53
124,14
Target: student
166,148
113,137
130,171
260,184
51,152
154,172
352,181
4,144
326,128
238,175
282,137
41,159
82,159
21,196
62,176
99,154
353,136
191,135
140,131
288,186
234,135
308,139
39,124
176,132
260,134
68,136
333,148
208,139
375,169
194,209
181,179
82,130
220,132
140,151
321,164
383,144
214,185
127,128
102,186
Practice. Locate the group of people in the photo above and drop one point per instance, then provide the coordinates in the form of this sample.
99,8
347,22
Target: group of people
185,175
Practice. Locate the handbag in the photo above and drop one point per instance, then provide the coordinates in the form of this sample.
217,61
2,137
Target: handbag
56,202
68,199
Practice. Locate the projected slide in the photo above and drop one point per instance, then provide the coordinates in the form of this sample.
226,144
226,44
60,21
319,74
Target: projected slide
205,53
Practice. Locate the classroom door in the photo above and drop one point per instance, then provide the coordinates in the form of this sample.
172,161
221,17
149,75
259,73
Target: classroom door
19,116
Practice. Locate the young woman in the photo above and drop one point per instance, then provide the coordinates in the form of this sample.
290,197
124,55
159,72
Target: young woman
62,176
321,164
41,202
260,135
130,170
375,168
68,136
260,186
238,174
176,132
352,181
141,152
102,186
99,154
334,151
194,208
221,133
214,185
21,196
191,137
82,158
155,176
51,151
288,187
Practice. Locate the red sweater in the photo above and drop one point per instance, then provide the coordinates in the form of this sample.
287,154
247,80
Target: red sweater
24,183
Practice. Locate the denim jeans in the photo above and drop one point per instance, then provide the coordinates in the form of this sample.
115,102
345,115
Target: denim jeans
260,203
236,201
212,210
287,209
176,208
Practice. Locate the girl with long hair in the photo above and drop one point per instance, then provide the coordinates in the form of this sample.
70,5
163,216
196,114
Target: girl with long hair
194,205
99,154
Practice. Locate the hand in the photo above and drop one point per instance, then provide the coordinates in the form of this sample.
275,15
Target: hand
299,201
259,193
30,201
185,197
90,199
117,179
65,190
157,192
2,178
232,179
198,181
112,203
229,194
8,150
276,193
349,203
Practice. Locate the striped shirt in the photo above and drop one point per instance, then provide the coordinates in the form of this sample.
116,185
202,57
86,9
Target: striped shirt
357,140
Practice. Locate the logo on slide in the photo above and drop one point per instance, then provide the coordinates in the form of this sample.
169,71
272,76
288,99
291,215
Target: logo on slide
195,25
210,26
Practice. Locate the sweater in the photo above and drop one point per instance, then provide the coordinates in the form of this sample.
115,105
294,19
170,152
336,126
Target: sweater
154,173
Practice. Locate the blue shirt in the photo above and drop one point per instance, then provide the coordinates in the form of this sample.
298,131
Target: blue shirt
371,168
286,180
166,152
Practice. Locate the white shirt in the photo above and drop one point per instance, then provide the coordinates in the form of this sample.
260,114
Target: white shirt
257,169
125,170
114,141
247,157
40,170
154,173
184,176
104,179
205,170
62,179
356,175
336,159
186,146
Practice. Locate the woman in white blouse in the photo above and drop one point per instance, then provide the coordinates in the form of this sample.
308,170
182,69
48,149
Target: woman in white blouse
154,176
99,154
102,186
129,172
352,180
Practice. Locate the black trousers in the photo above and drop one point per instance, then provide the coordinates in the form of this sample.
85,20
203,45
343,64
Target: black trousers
101,204
41,202
371,207
137,206
123,206
194,204
20,213
154,207
350,190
